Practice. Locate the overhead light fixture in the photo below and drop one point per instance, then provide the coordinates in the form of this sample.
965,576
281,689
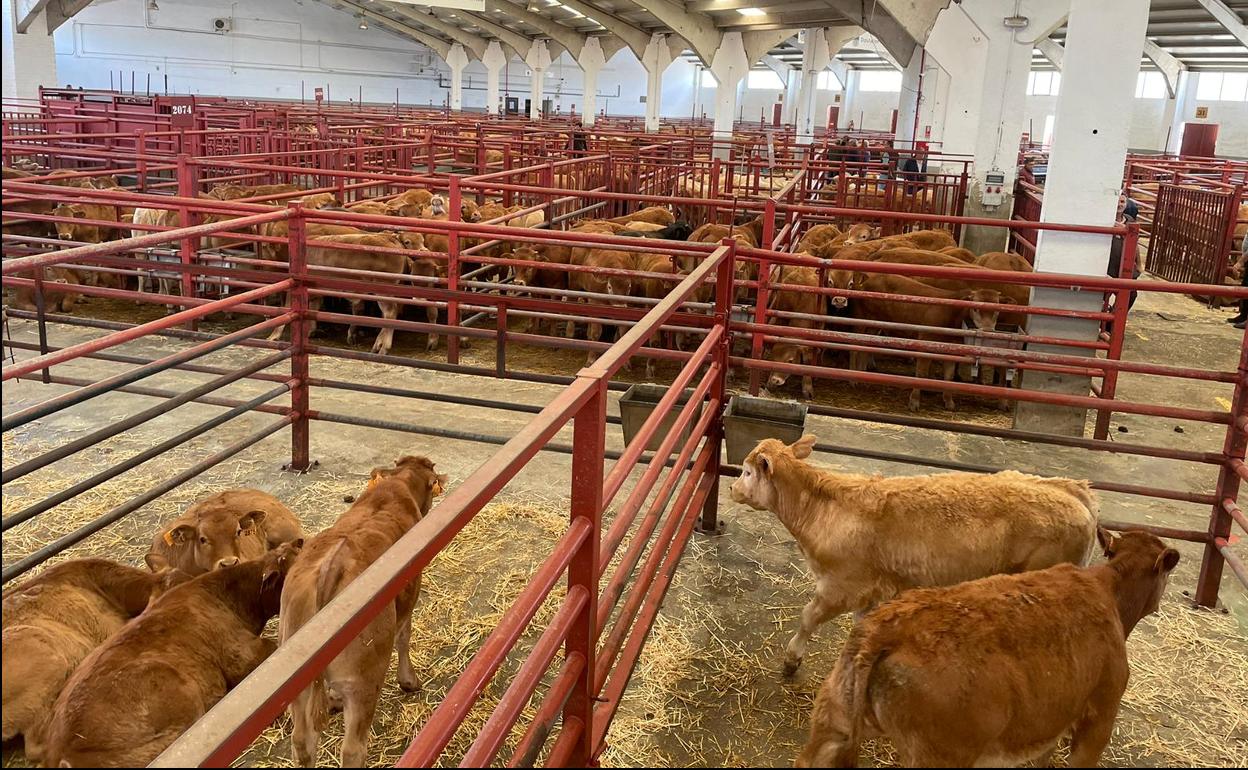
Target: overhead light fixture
751,12
363,22
151,5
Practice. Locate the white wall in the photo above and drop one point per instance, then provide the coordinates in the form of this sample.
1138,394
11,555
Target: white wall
29,60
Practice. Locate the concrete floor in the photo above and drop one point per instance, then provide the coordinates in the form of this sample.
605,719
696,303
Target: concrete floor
736,596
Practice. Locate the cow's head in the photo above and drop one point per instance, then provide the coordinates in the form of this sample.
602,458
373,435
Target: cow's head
437,206
468,211
68,230
679,231
860,233
1144,562
983,318
218,537
276,566
523,275
839,279
755,486
789,353
418,474
412,241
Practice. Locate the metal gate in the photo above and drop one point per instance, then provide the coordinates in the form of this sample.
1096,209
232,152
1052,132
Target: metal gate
1190,232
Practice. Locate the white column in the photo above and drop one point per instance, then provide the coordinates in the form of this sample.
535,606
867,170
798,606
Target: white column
814,60
591,60
908,101
730,66
1104,42
656,58
538,60
494,61
457,60
29,57
846,114
1179,110
792,87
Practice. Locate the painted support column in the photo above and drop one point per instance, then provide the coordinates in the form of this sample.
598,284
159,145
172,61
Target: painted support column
538,60
591,60
656,58
846,115
457,60
1180,109
908,101
792,87
814,60
730,66
1104,43
494,61
29,57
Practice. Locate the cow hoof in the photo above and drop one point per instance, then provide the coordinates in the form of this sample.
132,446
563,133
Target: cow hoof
432,346
791,666
950,405
914,404
411,685
808,394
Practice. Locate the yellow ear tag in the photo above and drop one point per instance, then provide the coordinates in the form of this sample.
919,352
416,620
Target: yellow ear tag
169,537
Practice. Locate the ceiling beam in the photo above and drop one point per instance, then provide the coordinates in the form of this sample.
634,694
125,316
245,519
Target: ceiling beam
435,44
779,18
566,36
894,37
1227,18
869,42
1052,50
634,36
521,43
472,42
27,13
61,11
1170,67
708,6
697,29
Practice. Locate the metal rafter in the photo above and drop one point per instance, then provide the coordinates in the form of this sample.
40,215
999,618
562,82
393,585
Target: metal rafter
1227,18
473,43
439,46
698,29
566,36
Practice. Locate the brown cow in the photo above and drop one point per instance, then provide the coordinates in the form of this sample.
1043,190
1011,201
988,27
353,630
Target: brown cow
230,191
654,288
222,530
396,499
659,215
133,696
965,255
819,235
901,311
52,622
54,301
993,672
615,285
868,538
791,301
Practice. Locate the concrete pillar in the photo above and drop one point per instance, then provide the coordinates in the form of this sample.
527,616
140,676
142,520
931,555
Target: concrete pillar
1103,48
792,87
730,66
908,101
656,58
846,115
1180,109
457,60
989,63
29,57
591,60
494,61
814,60
538,60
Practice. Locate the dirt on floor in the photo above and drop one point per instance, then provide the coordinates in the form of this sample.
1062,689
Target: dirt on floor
708,690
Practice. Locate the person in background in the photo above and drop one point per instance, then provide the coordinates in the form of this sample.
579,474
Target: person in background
912,173
1115,249
1240,270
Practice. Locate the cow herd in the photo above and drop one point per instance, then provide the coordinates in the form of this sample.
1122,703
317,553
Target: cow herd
982,634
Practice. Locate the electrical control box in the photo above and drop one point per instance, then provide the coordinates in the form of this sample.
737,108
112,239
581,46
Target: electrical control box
992,193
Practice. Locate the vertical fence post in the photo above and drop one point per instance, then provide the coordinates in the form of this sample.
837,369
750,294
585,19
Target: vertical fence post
1117,330
762,297
296,245
1228,485
40,310
188,187
453,214
709,523
588,447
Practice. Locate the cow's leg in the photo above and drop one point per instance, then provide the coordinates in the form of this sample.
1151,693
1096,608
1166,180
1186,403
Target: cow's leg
950,368
403,637
830,729
431,315
819,610
922,368
810,357
385,338
1092,732
593,333
314,305
277,333
357,308
359,706
306,723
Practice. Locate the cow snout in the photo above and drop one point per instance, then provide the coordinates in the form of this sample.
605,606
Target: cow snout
840,302
776,380
229,561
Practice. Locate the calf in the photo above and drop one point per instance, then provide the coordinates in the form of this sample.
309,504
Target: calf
922,314
51,623
659,215
791,301
677,231
653,287
133,697
819,235
396,499
615,285
222,530
62,301
993,672
868,538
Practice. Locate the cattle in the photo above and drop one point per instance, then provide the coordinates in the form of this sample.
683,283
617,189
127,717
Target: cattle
230,191
70,230
51,623
132,697
383,208
791,301
54,301
819,235
374,252
965,255
868,538
654,288
423,267
860,233
748,234
222,530
597,283
923,314
995,671
677,231
396,499
418,198
659,215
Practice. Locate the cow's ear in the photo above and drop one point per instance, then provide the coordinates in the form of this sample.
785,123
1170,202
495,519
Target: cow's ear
297,544
437,484
1107,540
1006,301
272,577
180,535
802,447
1167,561
156,562
250,519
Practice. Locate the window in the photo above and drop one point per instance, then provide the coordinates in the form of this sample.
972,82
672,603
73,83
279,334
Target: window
879,80
1150,85
708,79
827,81
1222,86
764,80
1044,83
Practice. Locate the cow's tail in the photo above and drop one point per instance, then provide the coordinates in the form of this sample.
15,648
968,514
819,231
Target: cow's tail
314,701
329,575
864,659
